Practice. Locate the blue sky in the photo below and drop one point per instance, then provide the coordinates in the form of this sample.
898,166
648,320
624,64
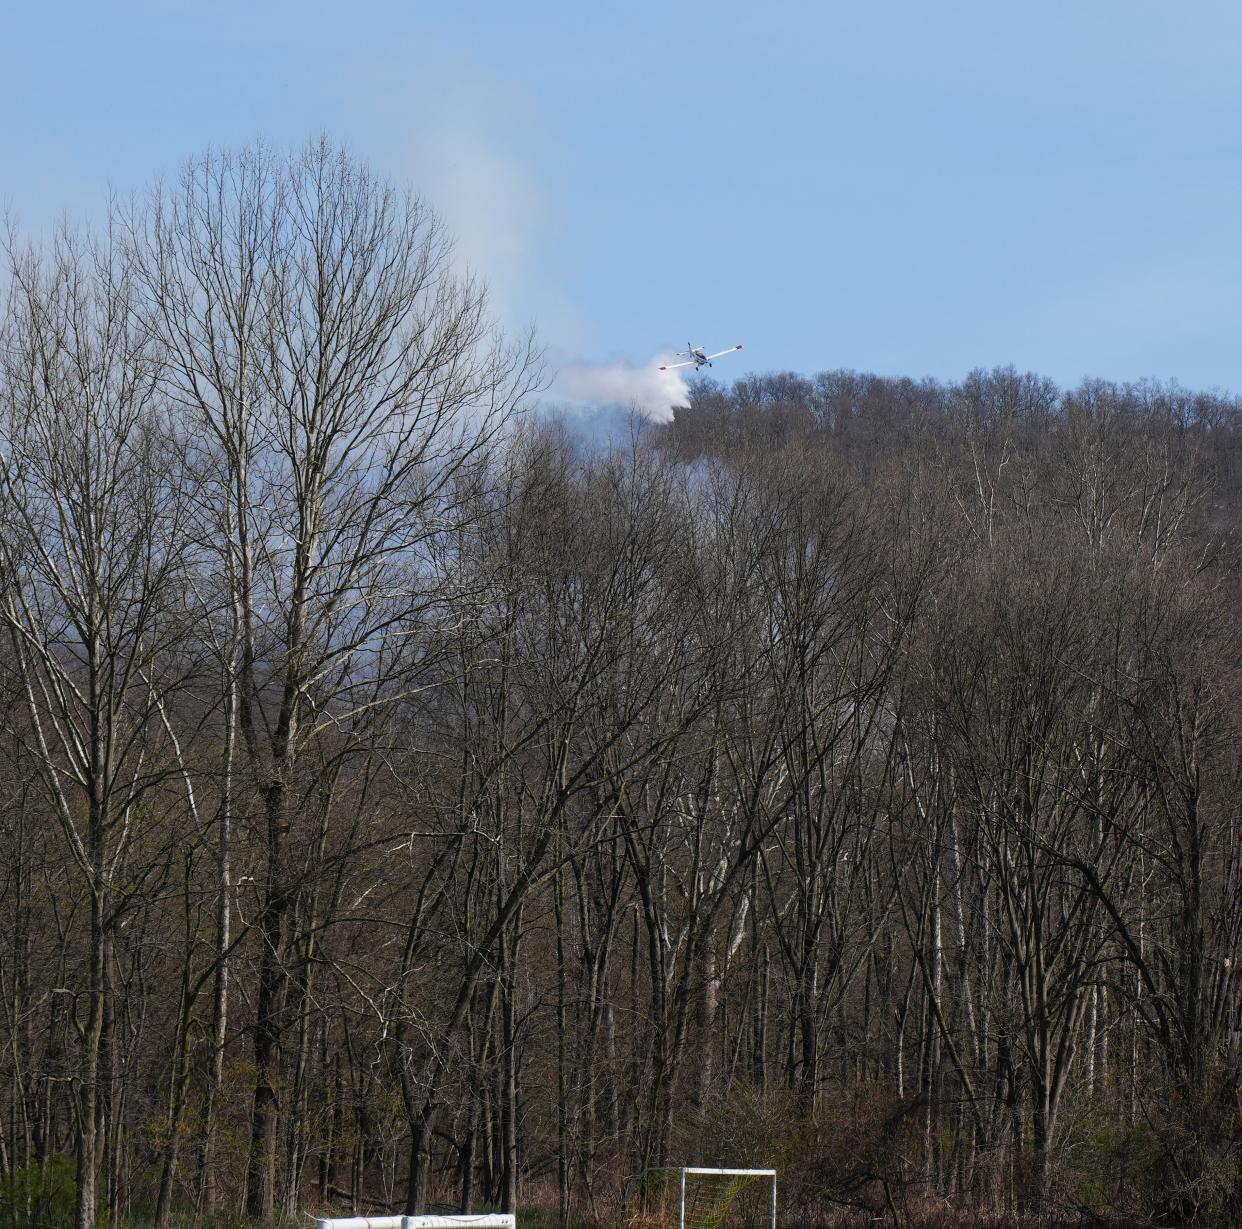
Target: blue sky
909,188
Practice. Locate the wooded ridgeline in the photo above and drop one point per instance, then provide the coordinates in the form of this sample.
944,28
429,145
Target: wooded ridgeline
406,803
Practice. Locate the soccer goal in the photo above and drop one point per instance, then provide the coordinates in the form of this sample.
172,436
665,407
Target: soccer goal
490,1220
694,1197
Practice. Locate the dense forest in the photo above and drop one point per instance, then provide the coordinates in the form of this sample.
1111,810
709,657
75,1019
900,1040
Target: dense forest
407,804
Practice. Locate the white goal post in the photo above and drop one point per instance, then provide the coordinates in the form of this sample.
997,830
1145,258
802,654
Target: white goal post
490,1220
695,1209
685,1170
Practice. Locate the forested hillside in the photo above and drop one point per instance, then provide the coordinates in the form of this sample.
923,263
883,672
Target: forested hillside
405,804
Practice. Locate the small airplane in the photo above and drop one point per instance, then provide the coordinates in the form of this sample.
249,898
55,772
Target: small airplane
697,357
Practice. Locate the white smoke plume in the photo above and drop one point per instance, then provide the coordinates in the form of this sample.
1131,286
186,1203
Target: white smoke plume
644,387
469,151
472,144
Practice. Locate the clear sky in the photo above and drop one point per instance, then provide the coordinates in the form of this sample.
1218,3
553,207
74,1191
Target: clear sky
906,186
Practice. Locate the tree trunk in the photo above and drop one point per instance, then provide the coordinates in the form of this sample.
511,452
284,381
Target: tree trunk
87,1152
269,1013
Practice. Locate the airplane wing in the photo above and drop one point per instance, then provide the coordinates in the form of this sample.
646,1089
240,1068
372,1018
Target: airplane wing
671,366
724,352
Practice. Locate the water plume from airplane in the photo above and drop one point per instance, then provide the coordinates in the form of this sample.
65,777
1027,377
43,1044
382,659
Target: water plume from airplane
654,393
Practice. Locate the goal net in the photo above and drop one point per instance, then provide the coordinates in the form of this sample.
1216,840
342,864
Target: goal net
691,1197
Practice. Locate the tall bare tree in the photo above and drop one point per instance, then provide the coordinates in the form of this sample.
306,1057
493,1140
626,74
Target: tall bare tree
93,547
343,378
